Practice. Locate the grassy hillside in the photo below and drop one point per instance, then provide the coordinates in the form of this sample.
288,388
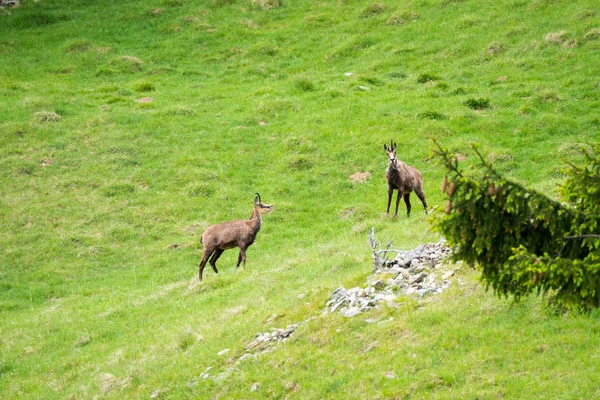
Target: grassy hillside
126,128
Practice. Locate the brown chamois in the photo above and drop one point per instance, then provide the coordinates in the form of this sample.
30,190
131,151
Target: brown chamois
404,178
228,235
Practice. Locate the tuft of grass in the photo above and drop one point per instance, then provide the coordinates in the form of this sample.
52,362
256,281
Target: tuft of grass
561,38
433,115
267,4
200,190
180,110
127,64
273,108
398,74
371,80
118,190
373,9
43,117
480,103
549,96
446,3
78,46
402,18
305,85
82,340
144,87
592,34
494,49
427,77
301,164
28,18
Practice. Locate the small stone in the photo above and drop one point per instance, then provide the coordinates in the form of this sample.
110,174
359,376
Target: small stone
365,88
351,312
254,387
223,352
447,275
390,375
379,284
221,376
145,100
417,278
335,307
425,292
405,274
301,295
348,74
272,318
371,320
411,291
430,280
389,297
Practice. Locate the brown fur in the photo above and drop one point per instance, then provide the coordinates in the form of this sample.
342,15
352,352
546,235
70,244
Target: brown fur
228,235
403,178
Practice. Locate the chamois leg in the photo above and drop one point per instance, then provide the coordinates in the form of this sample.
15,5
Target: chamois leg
400,191
407,201
242,258
421,196
207,253
214,258
390,194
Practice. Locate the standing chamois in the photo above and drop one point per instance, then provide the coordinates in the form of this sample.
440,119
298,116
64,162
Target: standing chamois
404,178
228,235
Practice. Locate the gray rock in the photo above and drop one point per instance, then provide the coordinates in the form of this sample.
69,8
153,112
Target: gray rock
404,273
425,292
389,297
447,275
417,278
351,312
379,284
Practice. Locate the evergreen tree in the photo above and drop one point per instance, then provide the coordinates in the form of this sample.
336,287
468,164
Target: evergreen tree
521,240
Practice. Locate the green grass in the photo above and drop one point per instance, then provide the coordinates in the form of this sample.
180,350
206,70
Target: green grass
96,188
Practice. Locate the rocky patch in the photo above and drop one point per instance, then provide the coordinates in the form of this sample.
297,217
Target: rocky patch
415,272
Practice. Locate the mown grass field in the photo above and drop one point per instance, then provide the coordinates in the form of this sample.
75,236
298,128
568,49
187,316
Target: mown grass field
104,196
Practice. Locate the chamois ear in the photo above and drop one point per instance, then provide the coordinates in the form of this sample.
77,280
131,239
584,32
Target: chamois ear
384,147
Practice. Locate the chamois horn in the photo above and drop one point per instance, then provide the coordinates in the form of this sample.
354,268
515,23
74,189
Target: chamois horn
258,195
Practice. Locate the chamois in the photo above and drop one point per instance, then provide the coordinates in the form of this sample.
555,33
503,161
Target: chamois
228,235
404,178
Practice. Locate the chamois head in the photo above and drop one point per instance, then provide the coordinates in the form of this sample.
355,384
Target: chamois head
391,152
260,207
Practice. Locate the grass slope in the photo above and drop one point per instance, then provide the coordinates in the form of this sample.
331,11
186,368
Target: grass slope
97,187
